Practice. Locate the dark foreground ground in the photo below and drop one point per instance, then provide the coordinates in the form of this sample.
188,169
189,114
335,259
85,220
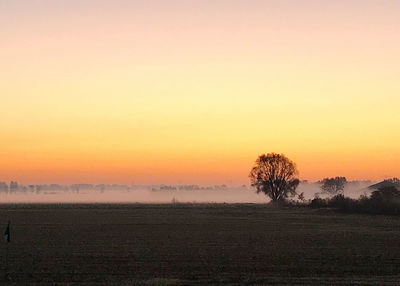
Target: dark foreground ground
197,244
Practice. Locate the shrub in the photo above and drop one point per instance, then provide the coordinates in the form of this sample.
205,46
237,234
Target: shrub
318,203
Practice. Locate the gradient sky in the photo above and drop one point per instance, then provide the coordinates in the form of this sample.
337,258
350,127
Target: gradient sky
162,91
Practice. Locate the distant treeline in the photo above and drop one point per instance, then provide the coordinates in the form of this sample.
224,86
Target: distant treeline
14,186
195,187
385,200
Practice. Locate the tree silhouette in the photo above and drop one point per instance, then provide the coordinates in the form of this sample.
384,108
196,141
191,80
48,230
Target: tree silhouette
274,175
333,186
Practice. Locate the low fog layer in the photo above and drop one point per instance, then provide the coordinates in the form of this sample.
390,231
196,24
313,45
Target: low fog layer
163,194
353,189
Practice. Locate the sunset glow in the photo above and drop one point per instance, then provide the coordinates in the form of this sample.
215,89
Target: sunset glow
193,91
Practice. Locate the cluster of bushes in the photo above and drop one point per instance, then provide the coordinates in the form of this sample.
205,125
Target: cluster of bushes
383,201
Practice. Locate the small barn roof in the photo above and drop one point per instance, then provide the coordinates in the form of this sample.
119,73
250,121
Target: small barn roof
385,184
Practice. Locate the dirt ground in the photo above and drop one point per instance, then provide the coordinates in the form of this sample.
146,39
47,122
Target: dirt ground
186,244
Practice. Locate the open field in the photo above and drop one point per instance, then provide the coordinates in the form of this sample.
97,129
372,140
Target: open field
198,244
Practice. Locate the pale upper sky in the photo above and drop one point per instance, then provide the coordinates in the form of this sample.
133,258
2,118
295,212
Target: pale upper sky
193,91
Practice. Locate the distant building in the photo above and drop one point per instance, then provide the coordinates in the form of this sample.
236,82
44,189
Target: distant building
386,183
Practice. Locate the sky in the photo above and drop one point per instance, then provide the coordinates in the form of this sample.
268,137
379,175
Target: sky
177,92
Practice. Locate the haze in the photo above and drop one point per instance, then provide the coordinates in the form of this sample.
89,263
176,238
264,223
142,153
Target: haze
179,92
154,194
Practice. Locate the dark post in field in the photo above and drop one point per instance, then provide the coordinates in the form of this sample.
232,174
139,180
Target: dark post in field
7,239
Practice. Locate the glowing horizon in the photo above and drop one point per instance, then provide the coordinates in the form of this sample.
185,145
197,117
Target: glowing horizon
181,92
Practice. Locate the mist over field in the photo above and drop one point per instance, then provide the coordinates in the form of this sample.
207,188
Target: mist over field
353,189
164,194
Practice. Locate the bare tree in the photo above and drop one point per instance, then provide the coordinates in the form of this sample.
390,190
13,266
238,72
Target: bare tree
274,175
333,186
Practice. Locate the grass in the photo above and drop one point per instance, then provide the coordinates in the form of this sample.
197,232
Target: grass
183,244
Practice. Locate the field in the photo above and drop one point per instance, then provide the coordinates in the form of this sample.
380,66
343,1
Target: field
199,244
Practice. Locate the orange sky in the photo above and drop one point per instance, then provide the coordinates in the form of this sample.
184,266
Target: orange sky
184,92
